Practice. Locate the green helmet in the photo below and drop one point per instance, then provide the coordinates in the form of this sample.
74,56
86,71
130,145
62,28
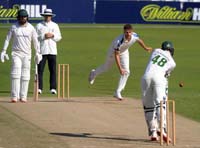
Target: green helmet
167,45
22,13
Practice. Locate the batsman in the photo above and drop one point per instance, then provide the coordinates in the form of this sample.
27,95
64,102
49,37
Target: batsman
22,34
155,88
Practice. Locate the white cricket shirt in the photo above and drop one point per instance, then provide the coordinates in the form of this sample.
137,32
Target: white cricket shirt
48,46
160,63
22,36
121,44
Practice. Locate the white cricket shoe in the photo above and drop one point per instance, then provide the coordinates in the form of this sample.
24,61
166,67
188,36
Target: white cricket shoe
118,95
14,100
23,100
39,91
164,136
91,76
154,136
53,91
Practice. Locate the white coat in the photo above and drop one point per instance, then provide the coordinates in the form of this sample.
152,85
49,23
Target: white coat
48,46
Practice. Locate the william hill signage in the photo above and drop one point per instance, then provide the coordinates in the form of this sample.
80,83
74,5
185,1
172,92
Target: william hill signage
156,13
11,13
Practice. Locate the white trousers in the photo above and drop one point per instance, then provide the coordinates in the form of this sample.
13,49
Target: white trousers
154,90
110,60
20,76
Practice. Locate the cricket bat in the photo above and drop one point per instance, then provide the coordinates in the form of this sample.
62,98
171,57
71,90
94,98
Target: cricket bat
35,95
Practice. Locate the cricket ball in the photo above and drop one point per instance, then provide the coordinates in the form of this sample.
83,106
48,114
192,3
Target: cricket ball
181,84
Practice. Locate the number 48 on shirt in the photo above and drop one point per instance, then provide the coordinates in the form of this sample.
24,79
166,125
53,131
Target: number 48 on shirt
160,61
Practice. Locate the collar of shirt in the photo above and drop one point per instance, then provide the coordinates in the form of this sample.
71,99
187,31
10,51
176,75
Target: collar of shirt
125,40
24,25
47,23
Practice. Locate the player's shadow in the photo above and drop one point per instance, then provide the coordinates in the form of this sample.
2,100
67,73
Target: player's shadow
89,135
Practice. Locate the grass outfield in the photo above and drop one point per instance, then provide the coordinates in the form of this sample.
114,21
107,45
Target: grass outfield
85,46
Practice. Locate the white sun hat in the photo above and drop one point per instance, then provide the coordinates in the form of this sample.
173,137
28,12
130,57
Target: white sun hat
47,12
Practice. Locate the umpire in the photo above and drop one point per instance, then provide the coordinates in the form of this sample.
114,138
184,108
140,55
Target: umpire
48,35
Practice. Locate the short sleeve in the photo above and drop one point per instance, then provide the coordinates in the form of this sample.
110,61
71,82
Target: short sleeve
136,36
116,45
117,42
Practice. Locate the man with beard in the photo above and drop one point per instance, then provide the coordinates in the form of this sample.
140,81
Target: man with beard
22,34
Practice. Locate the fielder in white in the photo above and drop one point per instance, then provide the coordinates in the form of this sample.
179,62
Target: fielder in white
155,88
22,33
119,53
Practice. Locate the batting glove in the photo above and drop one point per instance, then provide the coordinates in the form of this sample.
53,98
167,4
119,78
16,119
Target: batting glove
38,58
4,56
167,75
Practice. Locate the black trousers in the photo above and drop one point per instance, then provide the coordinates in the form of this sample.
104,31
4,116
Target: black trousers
52,69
